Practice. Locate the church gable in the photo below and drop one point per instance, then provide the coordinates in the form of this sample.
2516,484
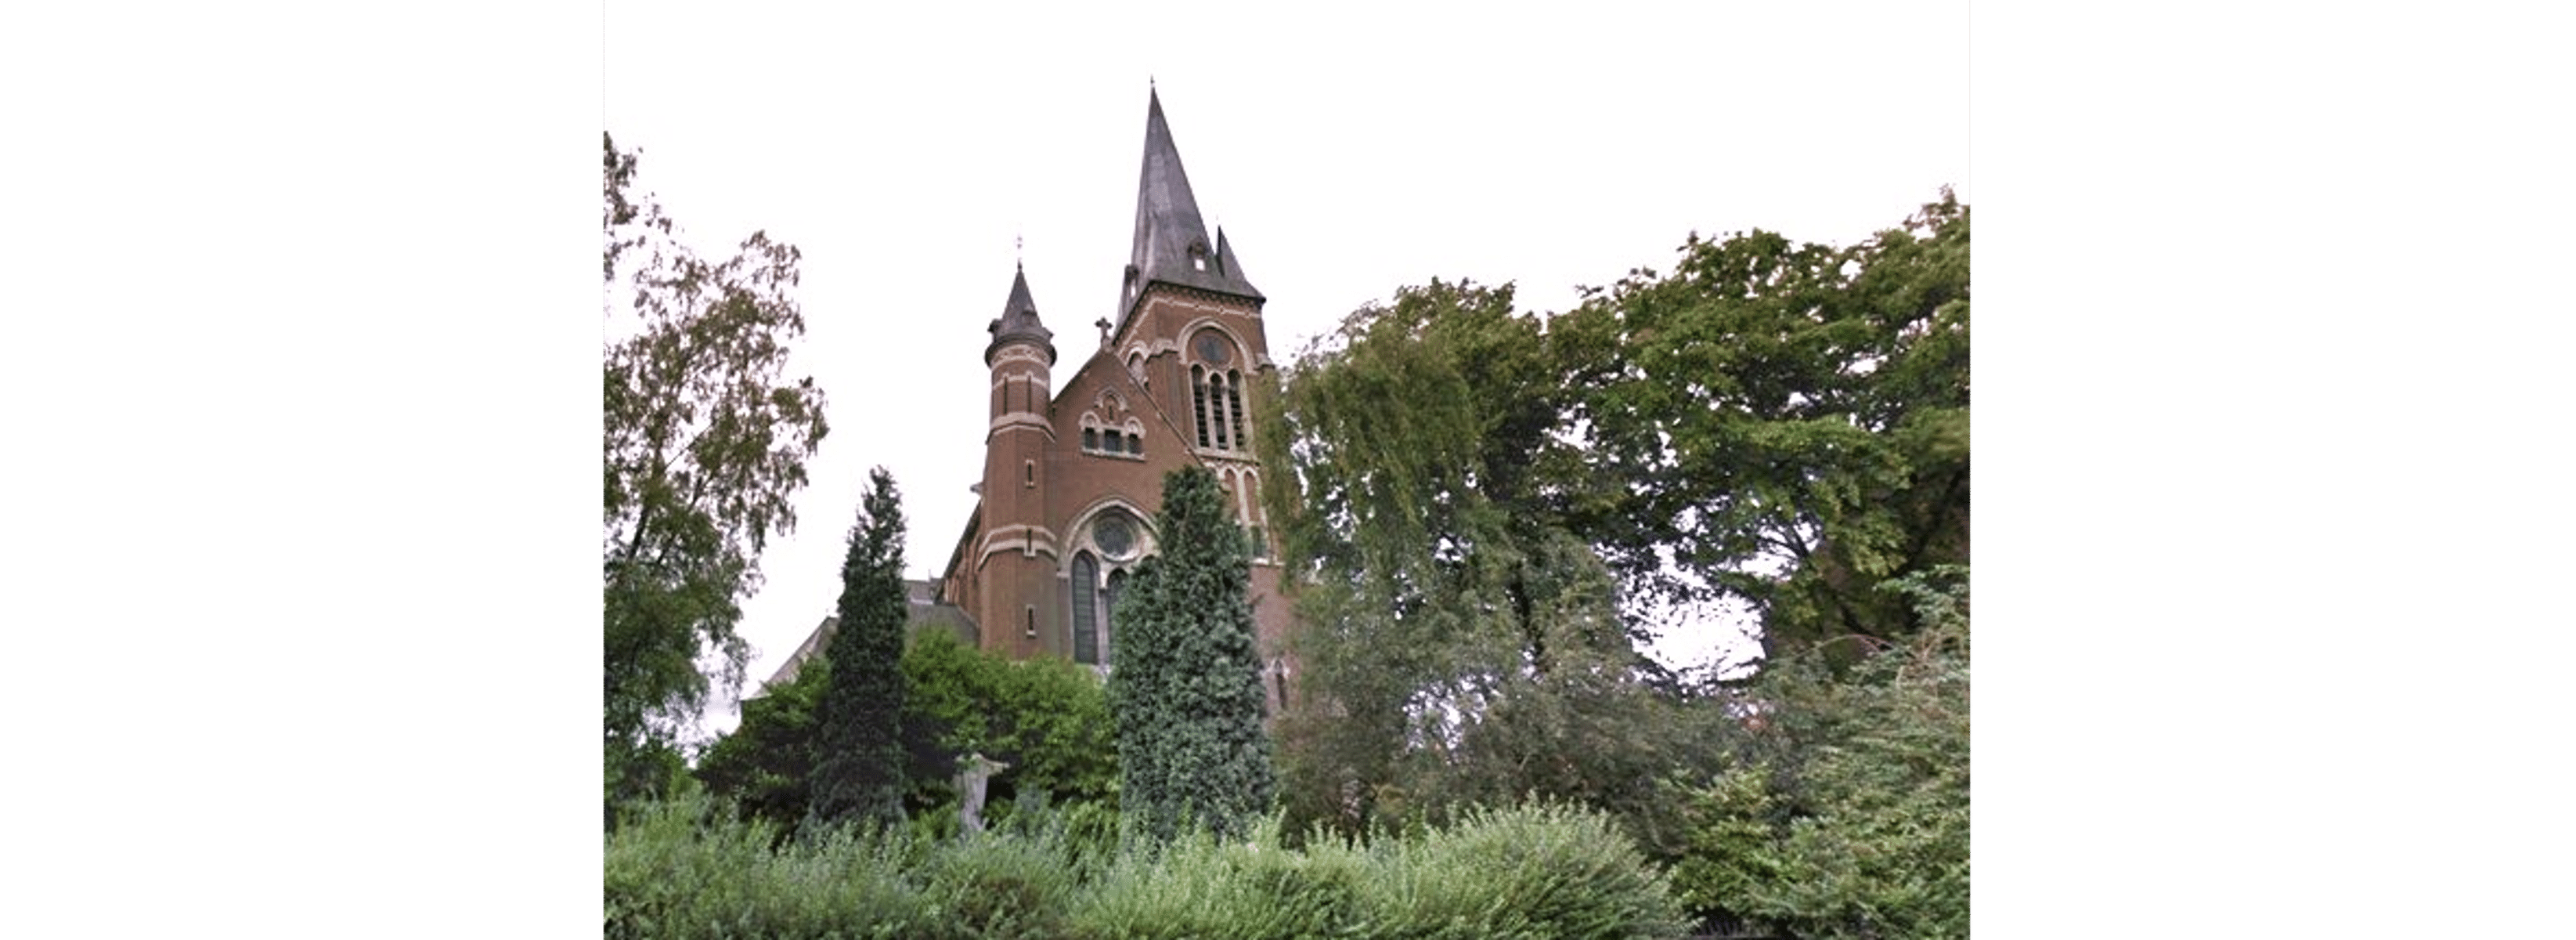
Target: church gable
1111,437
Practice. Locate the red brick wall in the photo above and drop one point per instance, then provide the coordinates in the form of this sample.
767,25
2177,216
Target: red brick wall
1039,524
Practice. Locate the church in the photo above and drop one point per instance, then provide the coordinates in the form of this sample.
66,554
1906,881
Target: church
1072,480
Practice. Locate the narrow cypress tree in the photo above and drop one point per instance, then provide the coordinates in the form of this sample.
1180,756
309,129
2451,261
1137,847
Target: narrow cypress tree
1186,691
859,758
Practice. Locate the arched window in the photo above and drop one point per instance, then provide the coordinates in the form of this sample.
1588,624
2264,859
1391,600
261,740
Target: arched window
1218,393
1234,407
1199,400
1109,614
1247,511
1090,439
1086,638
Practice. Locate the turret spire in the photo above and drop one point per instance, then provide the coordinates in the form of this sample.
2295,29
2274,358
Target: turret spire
1019,321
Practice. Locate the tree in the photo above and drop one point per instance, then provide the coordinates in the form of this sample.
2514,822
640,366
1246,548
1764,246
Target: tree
1458,644
766,764
1046,719
1777,424
859,762
703,447
1186,693
1845,812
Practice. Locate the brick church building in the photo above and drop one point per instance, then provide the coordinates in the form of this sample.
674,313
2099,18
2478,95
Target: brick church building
1072,481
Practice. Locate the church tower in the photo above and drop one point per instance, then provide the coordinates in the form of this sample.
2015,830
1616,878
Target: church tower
1016,475
1073,480
1073,476
1189,329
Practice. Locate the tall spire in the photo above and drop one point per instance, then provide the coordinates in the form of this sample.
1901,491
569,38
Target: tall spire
1019,321
1172,243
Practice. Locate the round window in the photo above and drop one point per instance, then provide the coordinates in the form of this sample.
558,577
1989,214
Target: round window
1213,348
1115,536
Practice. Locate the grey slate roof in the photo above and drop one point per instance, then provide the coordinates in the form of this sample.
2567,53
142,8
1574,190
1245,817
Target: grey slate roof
923,610
1172,244
1019,321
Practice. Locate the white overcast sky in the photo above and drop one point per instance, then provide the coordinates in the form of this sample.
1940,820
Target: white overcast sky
1347,150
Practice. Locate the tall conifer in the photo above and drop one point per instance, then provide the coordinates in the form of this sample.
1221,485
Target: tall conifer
859,764
1186,690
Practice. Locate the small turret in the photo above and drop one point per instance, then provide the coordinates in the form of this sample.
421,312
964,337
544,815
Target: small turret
1019,322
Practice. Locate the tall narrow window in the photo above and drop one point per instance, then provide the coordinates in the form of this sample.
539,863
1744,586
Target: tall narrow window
1090,439
1199,401
1216,404
1234,405
1109,620
1086,643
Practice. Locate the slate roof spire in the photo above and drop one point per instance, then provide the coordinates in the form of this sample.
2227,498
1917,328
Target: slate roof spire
1172,243
1019,321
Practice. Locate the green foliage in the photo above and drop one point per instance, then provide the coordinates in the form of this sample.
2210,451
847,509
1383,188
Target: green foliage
1540,871
859,761
1850,816
1486,510
1047,718
1780,424
1533,872
703,447
1002,887
642,771
765,766
1458,644
1187,691
685,869
1200,886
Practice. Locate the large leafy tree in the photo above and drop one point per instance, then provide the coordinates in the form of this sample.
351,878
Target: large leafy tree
1459,644
1780,425
859,761
1186,694
704,444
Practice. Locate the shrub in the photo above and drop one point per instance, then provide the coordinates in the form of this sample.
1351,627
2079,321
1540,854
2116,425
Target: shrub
1004,887
1539,872
689,869
1536,871
1199,887
1046,718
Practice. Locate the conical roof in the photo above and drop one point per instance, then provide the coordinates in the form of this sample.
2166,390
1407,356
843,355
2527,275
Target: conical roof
1172,243
1019,322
